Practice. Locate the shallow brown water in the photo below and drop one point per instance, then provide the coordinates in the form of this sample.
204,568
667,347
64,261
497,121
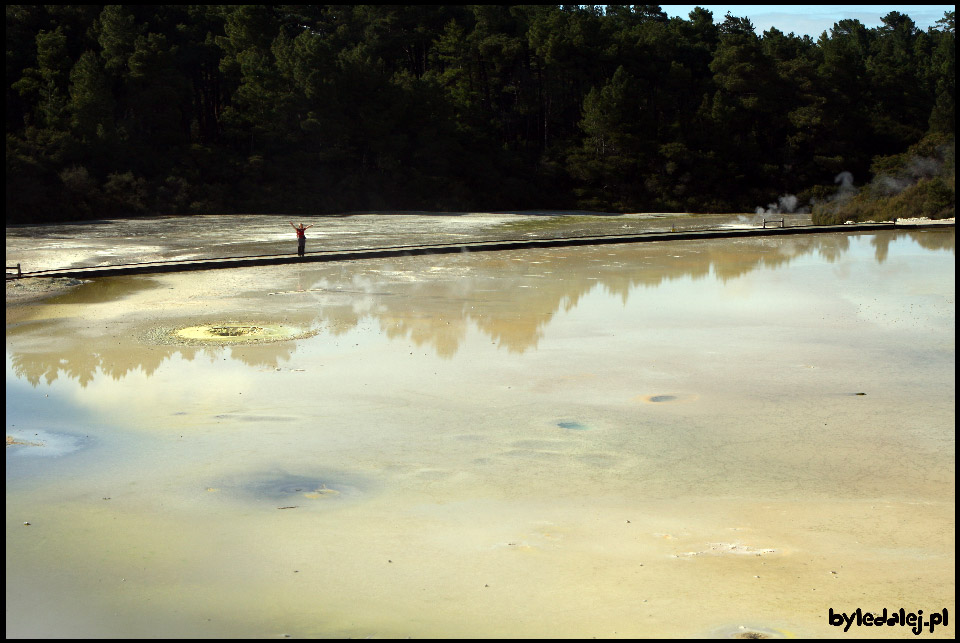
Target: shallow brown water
618,441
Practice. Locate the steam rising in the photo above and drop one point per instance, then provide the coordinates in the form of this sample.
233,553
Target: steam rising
787,204
846,189
917,169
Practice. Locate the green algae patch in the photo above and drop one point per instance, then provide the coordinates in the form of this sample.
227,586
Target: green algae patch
230,333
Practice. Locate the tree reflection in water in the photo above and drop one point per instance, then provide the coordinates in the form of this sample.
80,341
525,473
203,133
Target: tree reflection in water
509,296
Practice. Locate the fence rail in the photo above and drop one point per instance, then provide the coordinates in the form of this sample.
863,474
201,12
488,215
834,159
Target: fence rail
17,268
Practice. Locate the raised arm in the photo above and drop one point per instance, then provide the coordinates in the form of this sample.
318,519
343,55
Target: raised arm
293,226
310,226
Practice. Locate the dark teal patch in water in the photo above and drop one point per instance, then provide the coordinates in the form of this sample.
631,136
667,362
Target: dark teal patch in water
285,489
663,398
575,426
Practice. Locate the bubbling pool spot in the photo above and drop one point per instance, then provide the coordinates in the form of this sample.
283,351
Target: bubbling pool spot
45,444
229,333
661,398
572,425
288,491
748,632
234,331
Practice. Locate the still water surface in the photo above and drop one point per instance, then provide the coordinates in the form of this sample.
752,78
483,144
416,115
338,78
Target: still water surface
671,439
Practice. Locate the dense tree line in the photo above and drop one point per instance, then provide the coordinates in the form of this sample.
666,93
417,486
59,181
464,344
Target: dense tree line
155,109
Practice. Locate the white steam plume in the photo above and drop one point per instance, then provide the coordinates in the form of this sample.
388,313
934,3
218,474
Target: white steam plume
787,204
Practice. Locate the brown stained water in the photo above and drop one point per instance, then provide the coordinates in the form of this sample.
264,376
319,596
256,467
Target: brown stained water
657,439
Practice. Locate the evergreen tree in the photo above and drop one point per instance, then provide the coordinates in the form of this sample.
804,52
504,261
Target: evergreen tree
140,109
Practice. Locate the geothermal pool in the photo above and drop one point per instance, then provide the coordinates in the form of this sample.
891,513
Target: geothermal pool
684,439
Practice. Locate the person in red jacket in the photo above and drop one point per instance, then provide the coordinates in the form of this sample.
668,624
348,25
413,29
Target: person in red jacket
301,237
